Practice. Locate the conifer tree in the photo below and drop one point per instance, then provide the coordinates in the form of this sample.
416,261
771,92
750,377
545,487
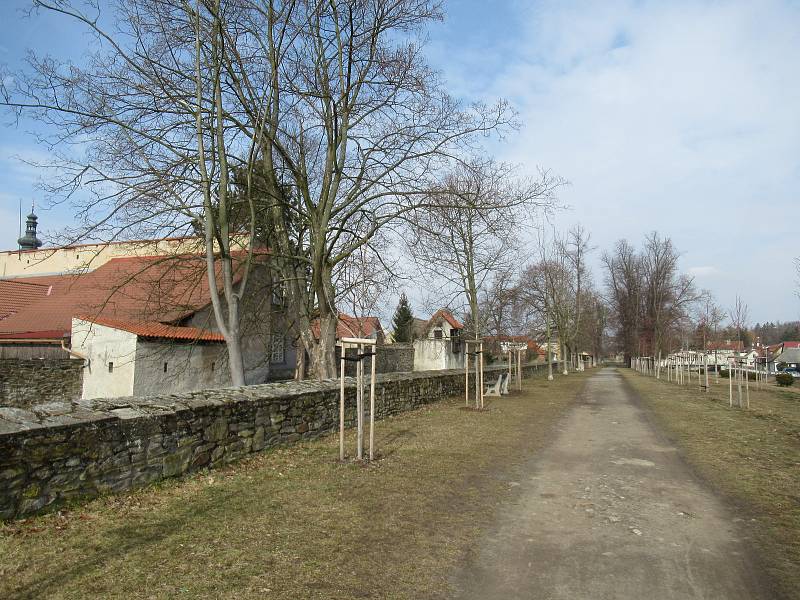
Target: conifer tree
403,320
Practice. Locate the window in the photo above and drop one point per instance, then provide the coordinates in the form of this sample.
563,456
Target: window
437,334
213,364
165,367
277,349
111,367
278,294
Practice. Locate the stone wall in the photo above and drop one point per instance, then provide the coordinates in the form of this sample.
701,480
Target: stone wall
393,358
62,451
25,382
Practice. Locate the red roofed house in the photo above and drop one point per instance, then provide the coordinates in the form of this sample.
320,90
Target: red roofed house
144,325
439,343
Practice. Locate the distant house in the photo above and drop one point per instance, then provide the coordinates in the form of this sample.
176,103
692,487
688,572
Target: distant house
494,345
789,357
355,327
438,343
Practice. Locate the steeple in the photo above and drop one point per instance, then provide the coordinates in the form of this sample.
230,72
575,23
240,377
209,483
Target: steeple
29,241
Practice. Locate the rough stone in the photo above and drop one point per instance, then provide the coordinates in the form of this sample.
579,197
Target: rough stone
110,445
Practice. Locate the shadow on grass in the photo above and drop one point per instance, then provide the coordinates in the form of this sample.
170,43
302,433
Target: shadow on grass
92,553
393,442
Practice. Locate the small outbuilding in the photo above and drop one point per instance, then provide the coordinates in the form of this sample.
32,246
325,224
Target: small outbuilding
126,358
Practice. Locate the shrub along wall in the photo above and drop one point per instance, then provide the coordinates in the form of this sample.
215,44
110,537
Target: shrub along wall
61,451
25,382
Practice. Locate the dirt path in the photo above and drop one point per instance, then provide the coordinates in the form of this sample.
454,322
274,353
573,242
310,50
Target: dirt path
609,510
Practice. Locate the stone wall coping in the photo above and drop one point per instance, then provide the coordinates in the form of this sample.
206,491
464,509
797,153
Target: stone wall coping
98,410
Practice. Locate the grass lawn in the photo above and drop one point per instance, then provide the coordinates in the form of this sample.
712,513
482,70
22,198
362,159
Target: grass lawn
294,522
750,456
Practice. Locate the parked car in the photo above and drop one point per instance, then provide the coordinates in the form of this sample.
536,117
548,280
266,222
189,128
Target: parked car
793,372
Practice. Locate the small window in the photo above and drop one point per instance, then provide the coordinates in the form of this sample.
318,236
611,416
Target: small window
165,367
277,349
437,334
213,364
111,367
278,294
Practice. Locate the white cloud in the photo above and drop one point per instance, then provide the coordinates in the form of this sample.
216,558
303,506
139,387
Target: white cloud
679,117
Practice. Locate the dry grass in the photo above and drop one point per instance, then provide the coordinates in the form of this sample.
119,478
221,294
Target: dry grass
751,456
294,522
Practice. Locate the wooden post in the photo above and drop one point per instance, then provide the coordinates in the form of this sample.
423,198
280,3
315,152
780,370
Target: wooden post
466,372
705,368
341,405
747,387
730,385
360,404
739,384
372,403
480,345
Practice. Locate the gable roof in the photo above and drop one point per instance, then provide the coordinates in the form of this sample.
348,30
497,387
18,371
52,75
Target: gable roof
161,289
152,330
348,326
792,355
443,315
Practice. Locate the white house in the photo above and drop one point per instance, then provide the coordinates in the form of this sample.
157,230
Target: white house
439,344
142,358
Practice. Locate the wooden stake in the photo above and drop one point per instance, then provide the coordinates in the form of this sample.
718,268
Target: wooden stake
481,361
372,403
360,404
341,406
466,373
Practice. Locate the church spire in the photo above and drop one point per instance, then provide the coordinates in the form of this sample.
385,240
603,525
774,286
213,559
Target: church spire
29,241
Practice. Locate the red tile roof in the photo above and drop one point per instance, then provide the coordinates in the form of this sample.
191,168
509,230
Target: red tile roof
161,289
445,315
352,327
158,330
16,294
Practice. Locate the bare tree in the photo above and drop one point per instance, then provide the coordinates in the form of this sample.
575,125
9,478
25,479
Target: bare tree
668,295
331,102
624,285
554,284
709,317
651,301
466,238
739,317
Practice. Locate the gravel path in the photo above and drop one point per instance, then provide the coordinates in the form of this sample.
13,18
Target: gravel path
609,510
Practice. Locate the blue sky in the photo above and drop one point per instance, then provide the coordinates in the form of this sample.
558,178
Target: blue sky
680,117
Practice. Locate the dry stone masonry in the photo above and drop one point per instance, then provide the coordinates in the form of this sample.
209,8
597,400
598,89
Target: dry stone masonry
25,382
58,452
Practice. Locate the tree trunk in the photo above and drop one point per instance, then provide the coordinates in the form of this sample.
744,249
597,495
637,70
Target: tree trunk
323,350
235,359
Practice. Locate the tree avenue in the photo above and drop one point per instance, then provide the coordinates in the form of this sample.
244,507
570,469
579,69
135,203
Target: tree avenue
325,113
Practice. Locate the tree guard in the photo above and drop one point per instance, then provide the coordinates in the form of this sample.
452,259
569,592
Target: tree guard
360,345
514,351
478,354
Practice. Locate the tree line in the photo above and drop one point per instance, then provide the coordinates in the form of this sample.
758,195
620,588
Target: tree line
315,130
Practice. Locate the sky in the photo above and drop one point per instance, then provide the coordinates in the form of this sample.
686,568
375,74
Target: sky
676,117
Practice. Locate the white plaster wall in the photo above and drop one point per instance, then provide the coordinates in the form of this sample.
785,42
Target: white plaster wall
189,367
102,345
431,354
